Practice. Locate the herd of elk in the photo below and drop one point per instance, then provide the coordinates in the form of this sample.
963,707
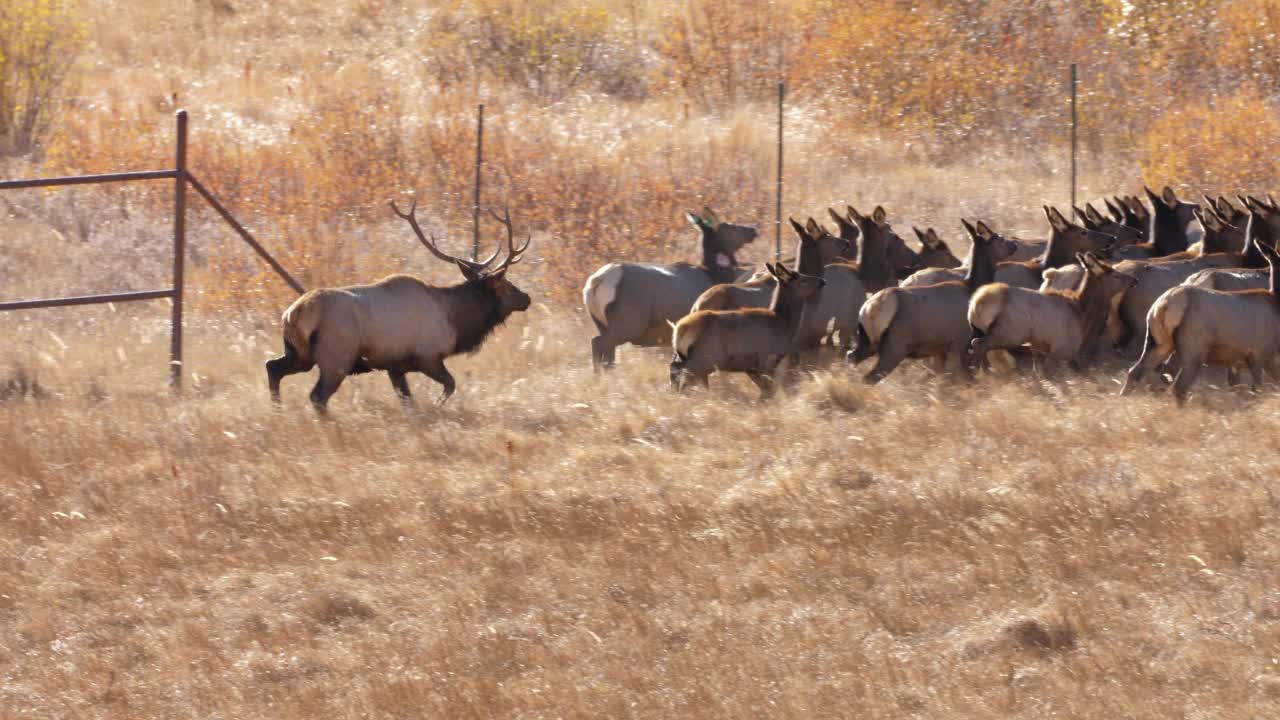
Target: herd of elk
1185,297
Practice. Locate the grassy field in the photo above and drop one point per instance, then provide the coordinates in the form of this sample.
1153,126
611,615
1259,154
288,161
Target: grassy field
555,543
558,544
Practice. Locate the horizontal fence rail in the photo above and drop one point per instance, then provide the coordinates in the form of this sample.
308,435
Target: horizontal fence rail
87,299
182,177
89,179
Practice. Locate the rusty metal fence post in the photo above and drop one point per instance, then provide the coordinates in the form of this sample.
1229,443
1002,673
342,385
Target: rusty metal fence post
179,251
182,176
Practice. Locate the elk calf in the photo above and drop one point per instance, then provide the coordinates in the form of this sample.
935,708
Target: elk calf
399,324
752,341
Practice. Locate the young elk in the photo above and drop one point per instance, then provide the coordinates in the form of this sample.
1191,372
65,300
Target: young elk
752,341
1224,329
399,324
1055,324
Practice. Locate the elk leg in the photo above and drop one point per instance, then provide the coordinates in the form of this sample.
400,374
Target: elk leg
1153,354
763,381
325,387
287,364
1186,376
434,368
1255,370
603,353
891,354
401,385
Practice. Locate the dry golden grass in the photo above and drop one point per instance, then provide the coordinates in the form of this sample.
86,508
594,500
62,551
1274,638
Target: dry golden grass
557,544
554,543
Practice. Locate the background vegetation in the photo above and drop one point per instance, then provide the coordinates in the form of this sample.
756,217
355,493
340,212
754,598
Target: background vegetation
554,544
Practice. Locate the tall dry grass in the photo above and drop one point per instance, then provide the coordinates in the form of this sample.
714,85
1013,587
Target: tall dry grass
558,544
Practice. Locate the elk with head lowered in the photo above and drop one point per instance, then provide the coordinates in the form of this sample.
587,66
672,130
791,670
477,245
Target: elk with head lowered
399,324
634,302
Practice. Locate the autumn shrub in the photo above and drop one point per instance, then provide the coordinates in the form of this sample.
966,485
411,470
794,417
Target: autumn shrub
1230,145
722,53
39,43
543,48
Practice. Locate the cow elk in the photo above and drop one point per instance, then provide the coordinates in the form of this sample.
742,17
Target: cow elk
752,341
399,324
1223,329
636,302
1054,324
927,321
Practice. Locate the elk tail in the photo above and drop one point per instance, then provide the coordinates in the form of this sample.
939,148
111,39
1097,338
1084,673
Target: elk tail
986,306
300,323
600,291
876,316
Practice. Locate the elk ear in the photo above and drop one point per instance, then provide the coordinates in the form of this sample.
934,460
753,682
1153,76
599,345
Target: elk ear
772,269
496,278
879,215
1225,208
973,233
1169,198
836,216
854,215
1114,211
1153,197
798,228
983,231
932,236
1056,221
813,228
467,271
1208,219
1092,213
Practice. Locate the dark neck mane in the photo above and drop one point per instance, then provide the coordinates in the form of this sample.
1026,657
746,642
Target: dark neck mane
982,270
873,258
1168,236
784,307
474,312
1256,229
1092,303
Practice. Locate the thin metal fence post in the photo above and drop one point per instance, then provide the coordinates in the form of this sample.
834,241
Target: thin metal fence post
475,208
1074,125
179,251
777,211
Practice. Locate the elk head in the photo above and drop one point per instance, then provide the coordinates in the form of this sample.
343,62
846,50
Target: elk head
492,279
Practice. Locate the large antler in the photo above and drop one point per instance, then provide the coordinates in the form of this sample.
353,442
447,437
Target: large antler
513,254
431,244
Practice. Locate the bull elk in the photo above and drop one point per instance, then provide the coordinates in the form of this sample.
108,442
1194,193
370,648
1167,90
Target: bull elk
1054,324
399,324
752,341
635,303
1223,329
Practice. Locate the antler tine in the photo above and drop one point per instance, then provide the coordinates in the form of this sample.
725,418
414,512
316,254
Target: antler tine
513,254
430,244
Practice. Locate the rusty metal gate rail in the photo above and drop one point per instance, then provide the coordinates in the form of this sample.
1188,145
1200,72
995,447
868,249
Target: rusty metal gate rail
182,177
